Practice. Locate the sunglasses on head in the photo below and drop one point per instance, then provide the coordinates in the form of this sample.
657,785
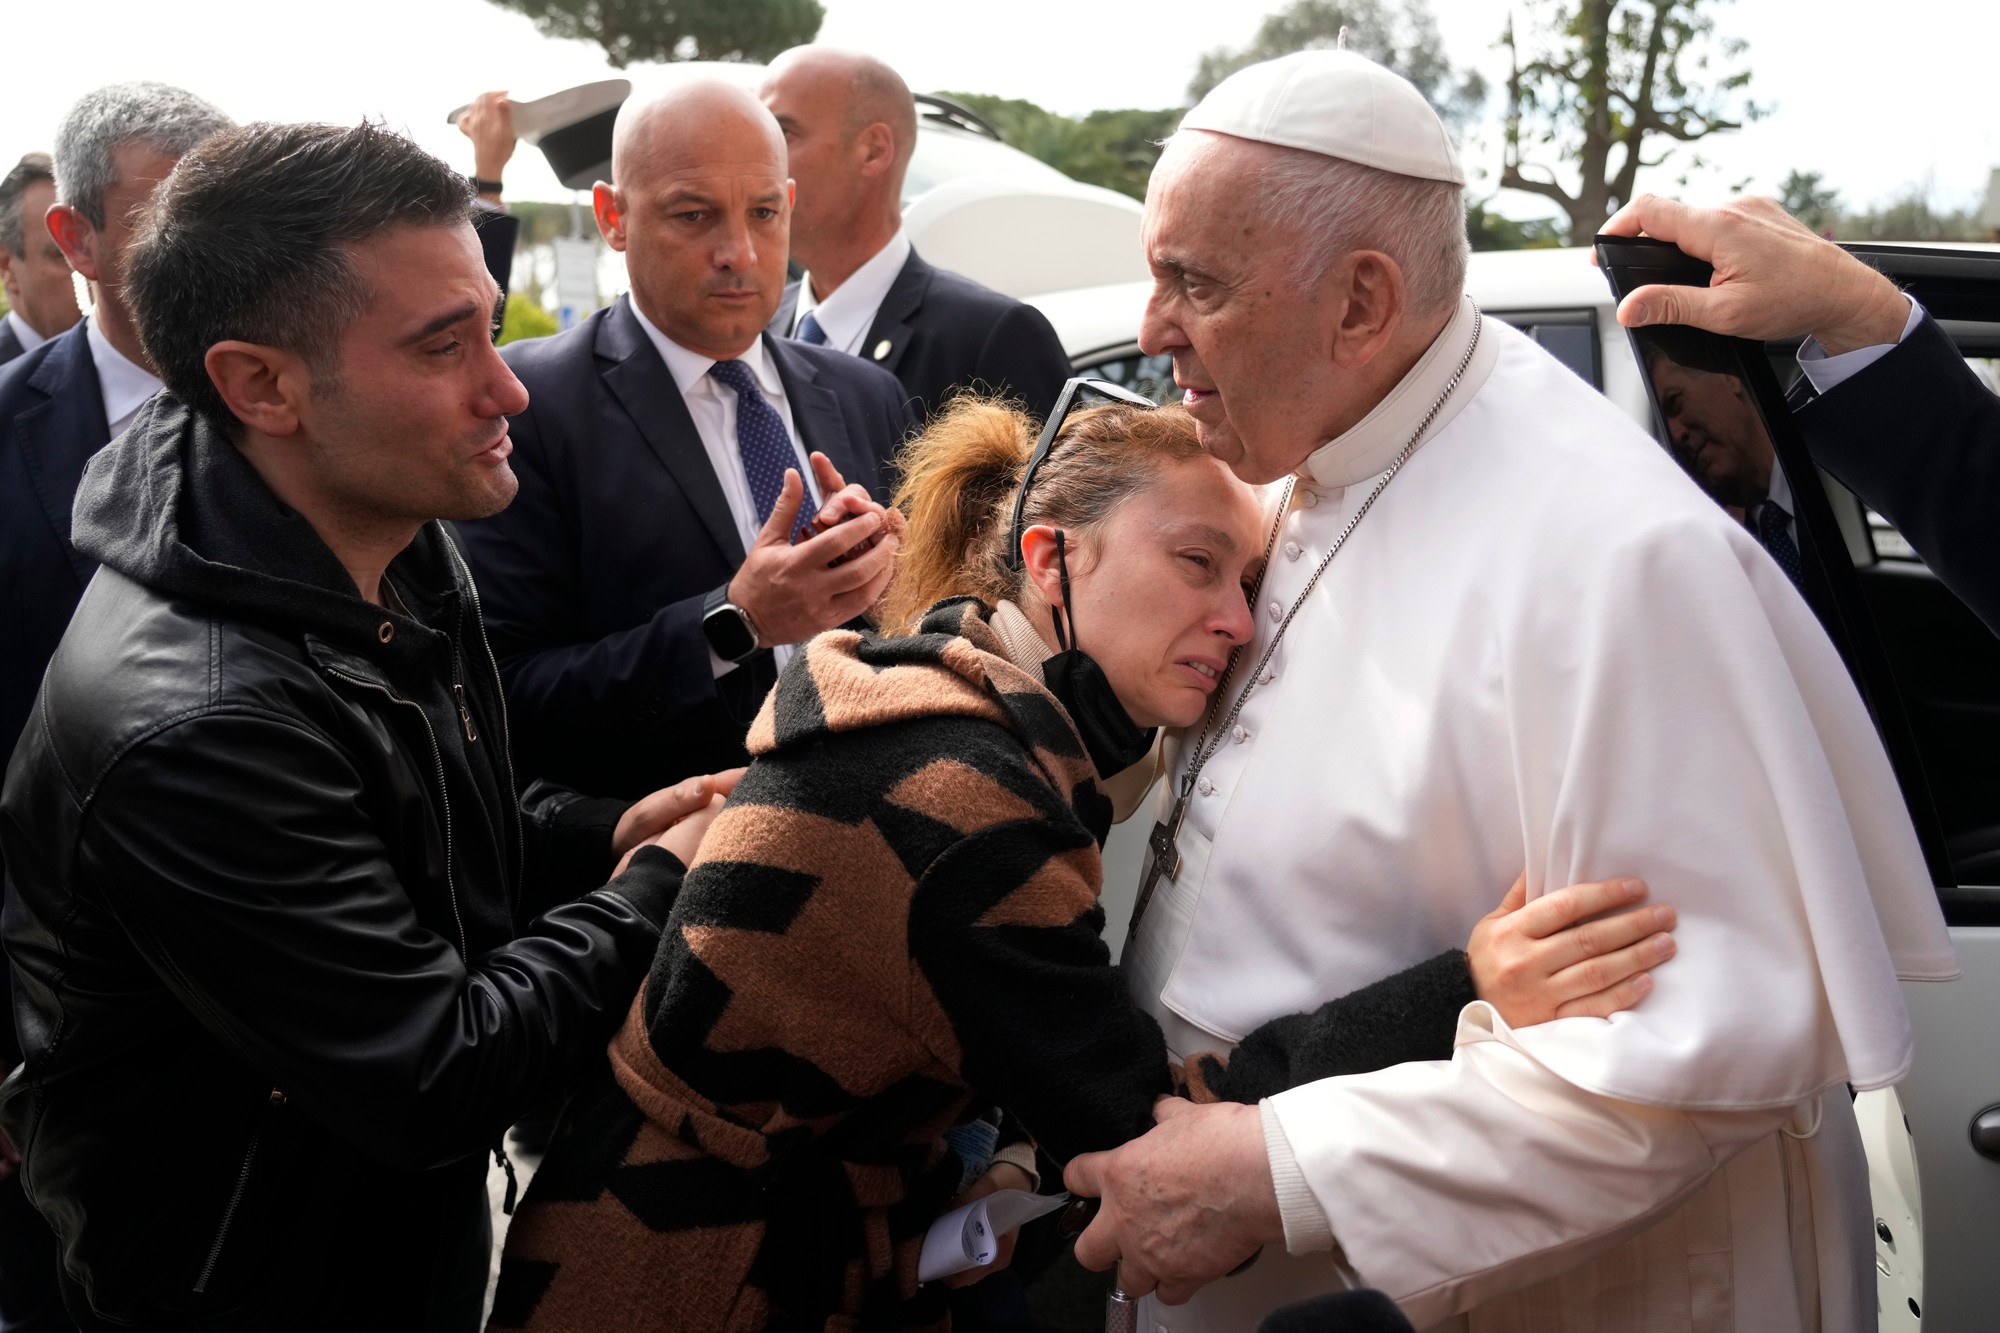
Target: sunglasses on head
1081,392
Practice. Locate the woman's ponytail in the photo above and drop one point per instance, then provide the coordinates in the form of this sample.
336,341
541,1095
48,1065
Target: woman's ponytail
957,490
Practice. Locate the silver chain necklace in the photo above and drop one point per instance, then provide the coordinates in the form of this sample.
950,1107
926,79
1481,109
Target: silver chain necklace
1163,846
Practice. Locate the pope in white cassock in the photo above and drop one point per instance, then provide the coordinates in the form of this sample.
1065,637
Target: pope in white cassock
1539,644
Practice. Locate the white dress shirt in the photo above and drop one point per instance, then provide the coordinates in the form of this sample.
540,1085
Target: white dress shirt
24,333
123,385
712,404
847,315
1828,372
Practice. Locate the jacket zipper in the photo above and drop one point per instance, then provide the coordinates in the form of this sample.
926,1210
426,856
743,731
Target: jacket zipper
444,793
277,1098
506,731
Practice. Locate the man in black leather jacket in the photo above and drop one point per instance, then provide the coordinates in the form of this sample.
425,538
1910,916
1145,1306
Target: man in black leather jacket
289,956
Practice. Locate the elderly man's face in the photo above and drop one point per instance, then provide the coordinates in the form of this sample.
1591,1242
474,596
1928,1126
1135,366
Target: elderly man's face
1250,348
703,216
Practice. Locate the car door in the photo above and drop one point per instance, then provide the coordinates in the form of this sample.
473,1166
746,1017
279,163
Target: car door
1930,672
1941,667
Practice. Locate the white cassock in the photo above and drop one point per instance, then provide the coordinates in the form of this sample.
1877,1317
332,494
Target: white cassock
1544,647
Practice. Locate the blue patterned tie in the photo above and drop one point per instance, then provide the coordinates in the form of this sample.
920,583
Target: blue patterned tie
810,331
1771,521
762,440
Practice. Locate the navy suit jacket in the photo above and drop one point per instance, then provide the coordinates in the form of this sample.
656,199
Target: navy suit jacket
593,579
10,346
1917,437
944,334
51,422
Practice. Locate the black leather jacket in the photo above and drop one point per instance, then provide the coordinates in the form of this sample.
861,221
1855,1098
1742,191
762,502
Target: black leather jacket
282,969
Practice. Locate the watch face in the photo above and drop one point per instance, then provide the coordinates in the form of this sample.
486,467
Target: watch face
728,634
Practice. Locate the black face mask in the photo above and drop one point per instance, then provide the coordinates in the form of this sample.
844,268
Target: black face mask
1114,741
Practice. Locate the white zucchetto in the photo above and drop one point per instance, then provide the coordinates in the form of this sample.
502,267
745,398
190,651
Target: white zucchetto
1335,103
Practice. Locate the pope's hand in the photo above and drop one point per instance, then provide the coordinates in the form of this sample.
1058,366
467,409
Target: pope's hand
1774,278
1533,962
1185,1203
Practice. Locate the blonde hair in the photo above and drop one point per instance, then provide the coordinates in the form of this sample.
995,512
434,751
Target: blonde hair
959,479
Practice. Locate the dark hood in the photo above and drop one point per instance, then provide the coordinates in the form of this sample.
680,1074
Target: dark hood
174,505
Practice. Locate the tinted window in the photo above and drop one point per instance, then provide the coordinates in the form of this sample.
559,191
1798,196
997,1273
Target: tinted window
1129,368
1570,336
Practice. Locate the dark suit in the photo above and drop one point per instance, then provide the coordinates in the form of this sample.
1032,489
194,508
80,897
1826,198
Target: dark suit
498,233
51,422
10,343
946,333
593,579
1917,437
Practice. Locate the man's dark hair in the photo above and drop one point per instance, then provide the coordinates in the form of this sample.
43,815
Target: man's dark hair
247,241
32,169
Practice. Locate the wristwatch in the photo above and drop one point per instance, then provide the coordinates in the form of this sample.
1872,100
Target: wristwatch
732,634
483,186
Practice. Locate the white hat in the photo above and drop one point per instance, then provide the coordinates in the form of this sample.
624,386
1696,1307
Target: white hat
1336,103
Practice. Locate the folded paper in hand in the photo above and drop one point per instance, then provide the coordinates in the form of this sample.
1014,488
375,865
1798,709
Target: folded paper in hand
969,1237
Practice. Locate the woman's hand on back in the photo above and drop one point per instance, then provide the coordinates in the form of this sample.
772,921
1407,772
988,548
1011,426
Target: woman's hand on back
1560,956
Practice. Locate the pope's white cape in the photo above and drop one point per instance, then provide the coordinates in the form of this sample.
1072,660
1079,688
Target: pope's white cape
1545,647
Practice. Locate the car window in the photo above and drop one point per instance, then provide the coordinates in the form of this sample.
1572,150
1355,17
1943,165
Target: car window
1129,368
1946,665
1570,336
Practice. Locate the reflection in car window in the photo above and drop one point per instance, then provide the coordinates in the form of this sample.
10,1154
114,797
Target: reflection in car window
1152,376
1714,431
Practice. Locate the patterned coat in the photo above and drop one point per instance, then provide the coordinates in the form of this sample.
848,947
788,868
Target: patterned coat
893,922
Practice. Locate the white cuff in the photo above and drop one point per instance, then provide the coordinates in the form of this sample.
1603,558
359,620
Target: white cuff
1829,372
1306,1228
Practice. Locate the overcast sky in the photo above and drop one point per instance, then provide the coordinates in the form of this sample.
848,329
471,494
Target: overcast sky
1874,97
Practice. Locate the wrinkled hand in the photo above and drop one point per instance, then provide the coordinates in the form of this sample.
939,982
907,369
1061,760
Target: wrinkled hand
489,123
794,592
999,1176
1533,962
1774,278
668,810
1185,1203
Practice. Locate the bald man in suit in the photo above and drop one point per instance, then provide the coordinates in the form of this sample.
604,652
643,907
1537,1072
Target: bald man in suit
850,128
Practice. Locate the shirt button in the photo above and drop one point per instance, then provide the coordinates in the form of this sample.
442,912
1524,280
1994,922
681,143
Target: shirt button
1309,499
1205,787
1293,550
1277,611
1241,734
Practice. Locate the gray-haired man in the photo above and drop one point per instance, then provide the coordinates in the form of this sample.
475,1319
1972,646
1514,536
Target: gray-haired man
61,402
41,300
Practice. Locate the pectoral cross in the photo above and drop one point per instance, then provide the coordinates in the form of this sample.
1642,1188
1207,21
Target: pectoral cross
1164,858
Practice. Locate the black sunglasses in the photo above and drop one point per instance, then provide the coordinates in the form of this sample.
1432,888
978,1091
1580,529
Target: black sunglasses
1078,393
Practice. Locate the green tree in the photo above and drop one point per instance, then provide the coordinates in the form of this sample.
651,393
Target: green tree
1912,214
524,318
1404,38
1606,77
630,30
1811,202
1490,231
1115,149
